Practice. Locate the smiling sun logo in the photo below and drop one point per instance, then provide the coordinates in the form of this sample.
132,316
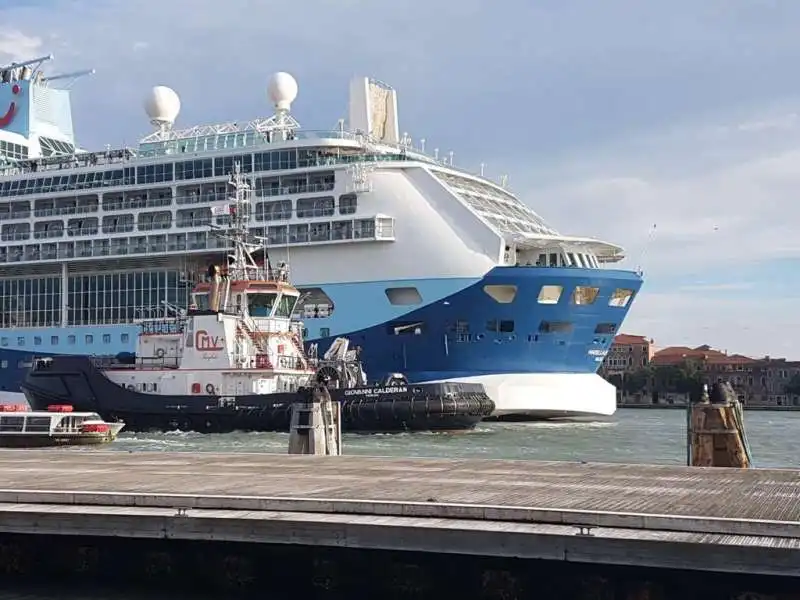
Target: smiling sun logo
6,119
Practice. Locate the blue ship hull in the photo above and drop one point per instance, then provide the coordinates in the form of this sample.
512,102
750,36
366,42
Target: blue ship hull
462,335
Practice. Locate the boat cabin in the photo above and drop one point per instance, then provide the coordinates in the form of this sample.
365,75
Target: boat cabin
237,338
17,419
269,298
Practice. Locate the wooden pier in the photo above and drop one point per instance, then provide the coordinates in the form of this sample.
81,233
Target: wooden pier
711,520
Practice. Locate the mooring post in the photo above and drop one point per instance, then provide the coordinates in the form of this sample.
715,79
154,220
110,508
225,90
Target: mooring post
715,430
316,424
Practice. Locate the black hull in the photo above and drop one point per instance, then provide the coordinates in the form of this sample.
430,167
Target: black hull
421,407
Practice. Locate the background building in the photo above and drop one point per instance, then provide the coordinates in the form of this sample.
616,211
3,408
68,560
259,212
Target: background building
670,376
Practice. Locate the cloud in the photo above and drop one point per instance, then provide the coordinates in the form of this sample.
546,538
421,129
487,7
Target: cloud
711,214
16,46
609,117
716,287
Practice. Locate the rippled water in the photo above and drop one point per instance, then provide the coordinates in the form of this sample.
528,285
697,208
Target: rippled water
632,435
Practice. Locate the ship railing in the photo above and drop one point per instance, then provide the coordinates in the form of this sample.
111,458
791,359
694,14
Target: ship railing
165,362
161,326
139,362
205,139
68,161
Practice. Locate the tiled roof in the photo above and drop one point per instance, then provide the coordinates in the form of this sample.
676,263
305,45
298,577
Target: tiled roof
624,338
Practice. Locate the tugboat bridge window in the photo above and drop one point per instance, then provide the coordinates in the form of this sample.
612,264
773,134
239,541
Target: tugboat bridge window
260,305
285,306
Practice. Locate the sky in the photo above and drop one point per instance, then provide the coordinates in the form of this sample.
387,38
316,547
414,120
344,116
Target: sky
670,128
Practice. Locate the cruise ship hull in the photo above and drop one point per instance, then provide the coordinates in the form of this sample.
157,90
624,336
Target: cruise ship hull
536,360
544,366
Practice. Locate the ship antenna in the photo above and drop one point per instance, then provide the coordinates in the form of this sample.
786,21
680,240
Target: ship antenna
282,91
243,266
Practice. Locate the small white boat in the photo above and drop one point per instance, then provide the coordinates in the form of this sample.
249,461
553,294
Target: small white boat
21,427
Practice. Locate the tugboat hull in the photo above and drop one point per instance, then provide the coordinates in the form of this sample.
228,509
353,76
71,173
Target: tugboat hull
421,407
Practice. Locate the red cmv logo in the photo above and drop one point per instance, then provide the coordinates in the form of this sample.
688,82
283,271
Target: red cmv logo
6,119
207,343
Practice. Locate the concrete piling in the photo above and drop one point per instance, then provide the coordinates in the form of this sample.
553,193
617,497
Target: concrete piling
316,425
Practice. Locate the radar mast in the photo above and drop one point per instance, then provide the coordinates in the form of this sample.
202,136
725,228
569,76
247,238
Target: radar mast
241,264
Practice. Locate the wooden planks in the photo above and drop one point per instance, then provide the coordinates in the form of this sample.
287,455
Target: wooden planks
753,494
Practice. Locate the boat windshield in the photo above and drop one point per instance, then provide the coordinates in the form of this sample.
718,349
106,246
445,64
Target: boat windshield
260,305
286,306
201,301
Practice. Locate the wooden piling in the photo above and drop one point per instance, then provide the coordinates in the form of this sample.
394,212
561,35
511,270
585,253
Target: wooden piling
716,434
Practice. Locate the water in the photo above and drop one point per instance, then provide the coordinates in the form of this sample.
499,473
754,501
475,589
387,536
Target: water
631,435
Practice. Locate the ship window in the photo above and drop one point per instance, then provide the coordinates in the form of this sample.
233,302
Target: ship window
316,304
12,423
38,424
606,328
324,331
53,340
555,327
620,298
505,326
348,204
405,328
124,337
37,340
504,294
106,338
550,294
584,295
89,338
403,296
285,306
260,305
4,341
20,341
70,339
316,207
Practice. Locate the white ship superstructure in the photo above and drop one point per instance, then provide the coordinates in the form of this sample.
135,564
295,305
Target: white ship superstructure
433,271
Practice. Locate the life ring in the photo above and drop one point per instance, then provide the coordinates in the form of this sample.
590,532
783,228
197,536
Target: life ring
210,388
160,353
131,387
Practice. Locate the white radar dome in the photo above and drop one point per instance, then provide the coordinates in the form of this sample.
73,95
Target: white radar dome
282,90
162,105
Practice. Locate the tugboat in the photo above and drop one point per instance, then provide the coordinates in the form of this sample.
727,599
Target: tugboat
57,426
236,361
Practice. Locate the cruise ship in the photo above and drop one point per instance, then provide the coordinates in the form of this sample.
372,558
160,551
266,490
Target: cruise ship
433,271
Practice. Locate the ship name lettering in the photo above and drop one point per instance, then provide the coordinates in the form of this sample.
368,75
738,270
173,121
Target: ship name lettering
207,343
375,391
